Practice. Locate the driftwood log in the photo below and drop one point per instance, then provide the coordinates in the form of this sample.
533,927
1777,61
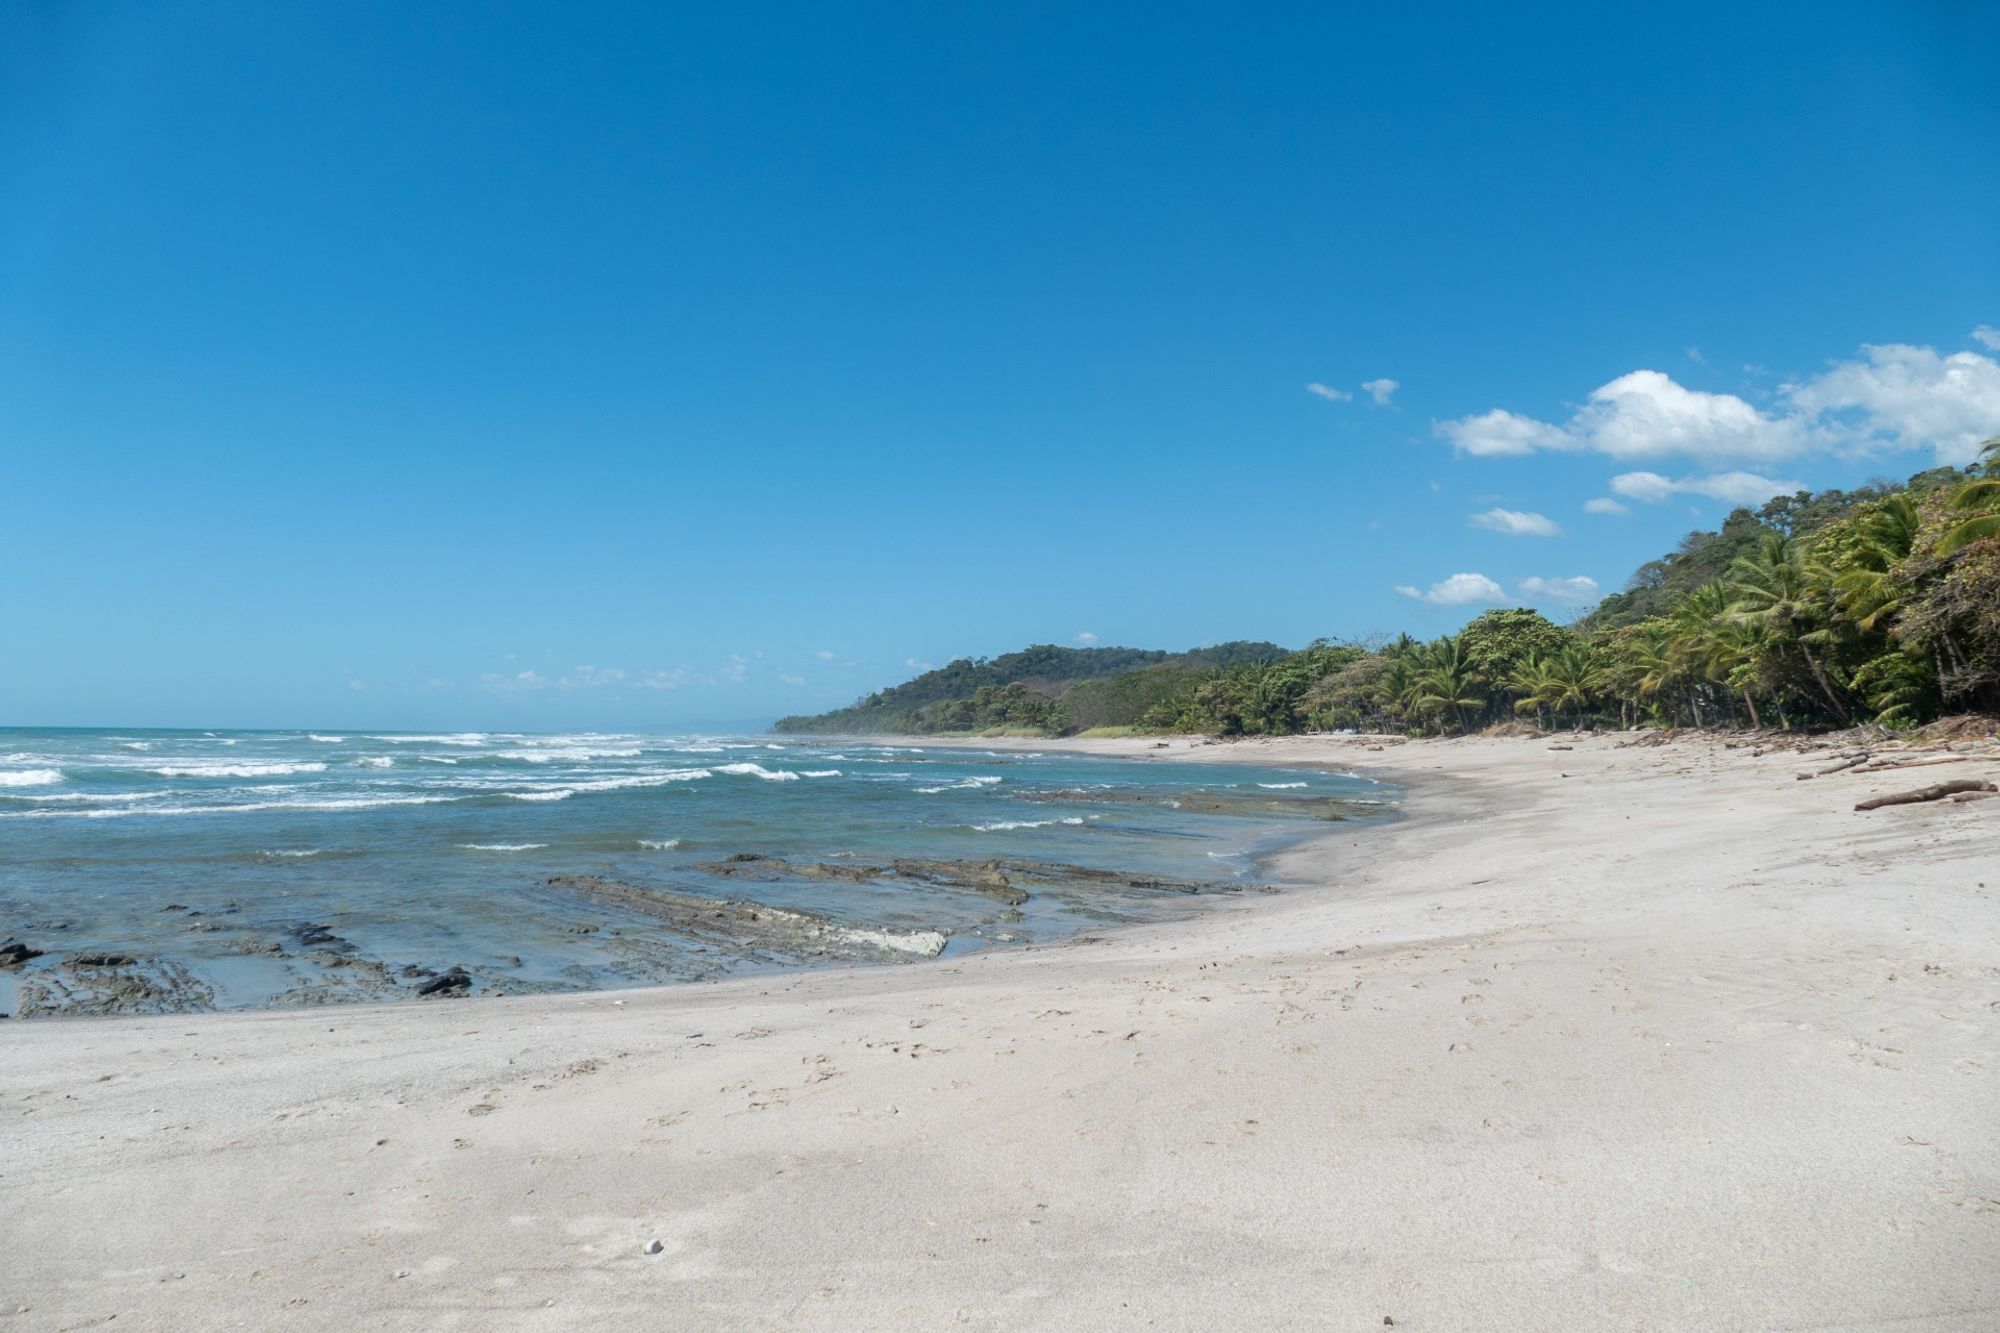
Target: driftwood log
1937,793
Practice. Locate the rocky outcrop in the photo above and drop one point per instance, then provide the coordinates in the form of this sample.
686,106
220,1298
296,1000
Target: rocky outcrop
753,929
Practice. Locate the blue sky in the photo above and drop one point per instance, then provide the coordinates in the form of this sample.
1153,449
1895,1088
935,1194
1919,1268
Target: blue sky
653,365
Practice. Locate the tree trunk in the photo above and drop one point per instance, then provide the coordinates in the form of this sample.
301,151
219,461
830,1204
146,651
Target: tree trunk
1825,686
1751,704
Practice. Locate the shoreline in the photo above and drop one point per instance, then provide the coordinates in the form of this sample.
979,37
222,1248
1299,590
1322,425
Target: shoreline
1706,1049
713,908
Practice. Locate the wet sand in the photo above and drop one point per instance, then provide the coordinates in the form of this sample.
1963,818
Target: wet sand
1606,1038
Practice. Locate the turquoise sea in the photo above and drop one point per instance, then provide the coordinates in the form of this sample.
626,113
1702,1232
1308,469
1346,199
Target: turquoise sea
178,870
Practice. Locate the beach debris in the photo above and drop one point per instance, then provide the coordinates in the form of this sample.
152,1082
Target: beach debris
14,953
1934,793
453,984
654,1246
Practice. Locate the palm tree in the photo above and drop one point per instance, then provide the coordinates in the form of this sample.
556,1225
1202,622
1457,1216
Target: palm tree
1536,685
1574,678
1974,495
1446,682
1887,535
1772,588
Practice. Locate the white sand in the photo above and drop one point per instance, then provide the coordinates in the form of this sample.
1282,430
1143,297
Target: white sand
1610,1039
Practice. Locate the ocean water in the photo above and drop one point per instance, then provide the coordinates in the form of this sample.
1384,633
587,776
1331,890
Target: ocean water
178,870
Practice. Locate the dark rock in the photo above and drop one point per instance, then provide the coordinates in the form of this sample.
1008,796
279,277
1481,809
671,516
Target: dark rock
14,953
103,960
451,985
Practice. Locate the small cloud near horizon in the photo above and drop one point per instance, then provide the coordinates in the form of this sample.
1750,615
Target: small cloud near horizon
791,680
1381,390
1574,591
826,655
1733,488
1516,523
1458,590
1332,395
1604,504
915,665
1987,336
1086,638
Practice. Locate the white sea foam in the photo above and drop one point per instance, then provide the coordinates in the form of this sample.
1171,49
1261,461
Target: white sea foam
30,777
324,740
436,759
136,745
503,846
246,807
236,770
759,771
569,754
1280,786
375,761
658,844
76,797
292,852
626,783
963,784
465,738
1000,826
819,772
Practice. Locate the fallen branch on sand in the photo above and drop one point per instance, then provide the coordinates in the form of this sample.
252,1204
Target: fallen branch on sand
1936,793
1917,763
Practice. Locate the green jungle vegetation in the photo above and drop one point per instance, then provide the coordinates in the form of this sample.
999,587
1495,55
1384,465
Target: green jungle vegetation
1818,610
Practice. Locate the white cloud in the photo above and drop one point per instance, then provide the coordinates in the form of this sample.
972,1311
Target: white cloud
1381,390
519,683
1577,590
1647,415
826,655
1516,523
791,680
1646,487
1331,395
593,678
1500,434
1892,396
1694,355
1604,504
1738,488
915,665
1458,590
1906,397
1086,638
1735,488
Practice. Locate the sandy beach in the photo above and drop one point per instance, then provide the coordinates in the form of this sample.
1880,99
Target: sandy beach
1607,1037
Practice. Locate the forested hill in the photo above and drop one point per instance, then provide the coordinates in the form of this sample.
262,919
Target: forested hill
1880,604
1027,690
